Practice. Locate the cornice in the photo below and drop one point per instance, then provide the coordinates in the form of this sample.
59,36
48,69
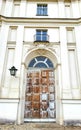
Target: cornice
40,20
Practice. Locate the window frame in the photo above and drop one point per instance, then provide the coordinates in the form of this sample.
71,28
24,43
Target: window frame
41,62
42,35
42,10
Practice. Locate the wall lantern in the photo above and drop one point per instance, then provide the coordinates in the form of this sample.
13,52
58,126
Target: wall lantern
13,71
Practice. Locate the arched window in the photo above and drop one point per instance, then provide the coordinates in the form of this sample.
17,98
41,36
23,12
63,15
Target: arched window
41,62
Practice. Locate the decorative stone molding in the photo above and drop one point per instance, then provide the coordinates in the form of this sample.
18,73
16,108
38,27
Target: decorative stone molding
41,43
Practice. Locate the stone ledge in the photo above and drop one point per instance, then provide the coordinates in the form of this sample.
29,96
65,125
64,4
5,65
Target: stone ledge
72,123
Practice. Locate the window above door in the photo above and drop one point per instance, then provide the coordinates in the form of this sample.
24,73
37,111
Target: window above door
41,36
42,9
41,62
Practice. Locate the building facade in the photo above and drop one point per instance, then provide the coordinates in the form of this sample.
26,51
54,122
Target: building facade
41,38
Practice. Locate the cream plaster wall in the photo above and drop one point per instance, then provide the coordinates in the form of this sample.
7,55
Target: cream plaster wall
10,113
55,9
69,108
52,9
25,49
30,34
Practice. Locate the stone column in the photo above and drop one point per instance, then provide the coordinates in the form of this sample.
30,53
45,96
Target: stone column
78,48
19,66
64,65
75,8
61,8
3,45
23,8
8,8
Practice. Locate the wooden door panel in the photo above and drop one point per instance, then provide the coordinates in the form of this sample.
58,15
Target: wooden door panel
51,89
29,74
44,105
44,81
29,81
44,114
44,88
36,105
28,97
51,105
28,105
51,73
35,81
36,97
40,97
51,80
44,73
44,97
28,114
36,114
51,97
36,89
29,89
35,74
51,114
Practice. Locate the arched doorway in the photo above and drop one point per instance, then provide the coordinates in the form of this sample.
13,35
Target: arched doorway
40,97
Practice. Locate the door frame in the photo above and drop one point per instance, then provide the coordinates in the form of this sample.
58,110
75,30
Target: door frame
51,54
41,119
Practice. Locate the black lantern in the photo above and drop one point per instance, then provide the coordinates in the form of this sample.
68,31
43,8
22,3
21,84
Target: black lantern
13,71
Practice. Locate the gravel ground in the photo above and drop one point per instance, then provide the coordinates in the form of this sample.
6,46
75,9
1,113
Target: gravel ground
37,126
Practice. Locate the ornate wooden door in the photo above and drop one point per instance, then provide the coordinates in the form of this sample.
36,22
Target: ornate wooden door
40,95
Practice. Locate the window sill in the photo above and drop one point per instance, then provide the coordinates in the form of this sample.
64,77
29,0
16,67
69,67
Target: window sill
41,41
41,15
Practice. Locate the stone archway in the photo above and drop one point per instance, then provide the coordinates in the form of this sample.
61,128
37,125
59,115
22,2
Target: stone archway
50,54
39,111
41,52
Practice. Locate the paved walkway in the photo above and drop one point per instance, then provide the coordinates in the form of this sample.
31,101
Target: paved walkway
37,126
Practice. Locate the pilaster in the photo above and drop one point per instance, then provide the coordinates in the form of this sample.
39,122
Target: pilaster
19,47
58,85
17,64
64,65
20,116
3,44
61,8
23,8
78,47
8,8
75,8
